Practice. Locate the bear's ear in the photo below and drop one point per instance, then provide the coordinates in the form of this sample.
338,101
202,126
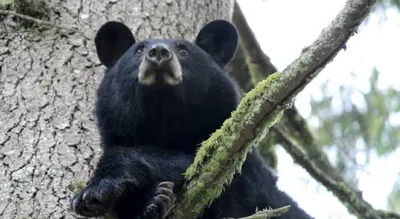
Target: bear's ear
112,40
219,38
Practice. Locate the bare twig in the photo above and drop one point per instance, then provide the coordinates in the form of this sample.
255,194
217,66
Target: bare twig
267,213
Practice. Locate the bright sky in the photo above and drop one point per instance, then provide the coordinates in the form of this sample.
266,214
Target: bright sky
284,28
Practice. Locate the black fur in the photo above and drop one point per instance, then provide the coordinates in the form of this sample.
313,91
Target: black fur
150,135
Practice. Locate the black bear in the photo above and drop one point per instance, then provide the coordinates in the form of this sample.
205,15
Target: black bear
159,99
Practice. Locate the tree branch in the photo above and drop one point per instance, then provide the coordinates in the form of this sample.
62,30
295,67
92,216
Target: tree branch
225,151
259,63
292,122
238,69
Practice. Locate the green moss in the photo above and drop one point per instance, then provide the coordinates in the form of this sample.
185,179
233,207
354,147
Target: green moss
76,187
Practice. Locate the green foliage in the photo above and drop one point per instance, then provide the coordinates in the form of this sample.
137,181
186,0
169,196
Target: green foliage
349,125
369,125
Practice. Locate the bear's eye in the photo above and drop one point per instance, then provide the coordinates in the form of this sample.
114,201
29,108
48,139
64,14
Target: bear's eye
139,50
183,51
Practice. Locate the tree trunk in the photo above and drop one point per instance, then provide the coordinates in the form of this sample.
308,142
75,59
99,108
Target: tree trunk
48,136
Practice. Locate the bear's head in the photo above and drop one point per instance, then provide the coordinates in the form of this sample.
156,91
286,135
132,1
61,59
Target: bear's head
163,89
159,63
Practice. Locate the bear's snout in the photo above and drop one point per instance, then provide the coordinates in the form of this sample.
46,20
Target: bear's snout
158,54
160,66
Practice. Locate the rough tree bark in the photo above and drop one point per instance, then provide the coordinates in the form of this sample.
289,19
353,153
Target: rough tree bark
48,136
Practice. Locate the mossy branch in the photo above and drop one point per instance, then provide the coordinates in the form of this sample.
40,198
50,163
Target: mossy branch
225,151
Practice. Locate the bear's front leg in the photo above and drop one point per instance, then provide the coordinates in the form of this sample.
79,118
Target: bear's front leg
145,174
119,168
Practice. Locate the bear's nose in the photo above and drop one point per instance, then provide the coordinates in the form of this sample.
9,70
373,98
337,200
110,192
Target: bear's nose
158,54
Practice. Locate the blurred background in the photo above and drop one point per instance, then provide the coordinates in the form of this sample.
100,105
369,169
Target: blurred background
352,107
